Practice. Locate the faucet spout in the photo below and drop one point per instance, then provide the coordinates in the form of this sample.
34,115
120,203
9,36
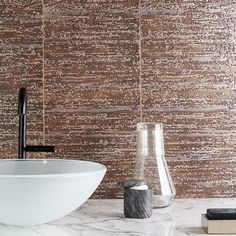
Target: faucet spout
22,106
22,112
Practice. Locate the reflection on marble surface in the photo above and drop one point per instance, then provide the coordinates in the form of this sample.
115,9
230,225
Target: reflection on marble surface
41,230
105,217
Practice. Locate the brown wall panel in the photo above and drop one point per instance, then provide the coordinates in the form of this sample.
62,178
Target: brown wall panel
95,68
91,83
188,84
21,51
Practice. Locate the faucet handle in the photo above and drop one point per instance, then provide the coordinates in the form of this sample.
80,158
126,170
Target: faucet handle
29,148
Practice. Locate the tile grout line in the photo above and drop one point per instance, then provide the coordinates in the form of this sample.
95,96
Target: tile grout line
43,81
140,63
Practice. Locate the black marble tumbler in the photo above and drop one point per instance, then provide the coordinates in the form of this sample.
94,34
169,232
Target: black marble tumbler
137,203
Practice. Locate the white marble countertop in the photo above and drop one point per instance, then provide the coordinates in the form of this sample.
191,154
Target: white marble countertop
105,217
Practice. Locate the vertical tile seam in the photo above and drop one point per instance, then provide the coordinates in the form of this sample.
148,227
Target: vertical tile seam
140,63
43,79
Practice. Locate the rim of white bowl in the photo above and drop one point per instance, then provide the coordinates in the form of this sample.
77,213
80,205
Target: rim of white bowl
72,174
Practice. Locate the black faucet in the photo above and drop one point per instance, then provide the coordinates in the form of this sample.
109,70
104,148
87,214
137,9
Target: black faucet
22,111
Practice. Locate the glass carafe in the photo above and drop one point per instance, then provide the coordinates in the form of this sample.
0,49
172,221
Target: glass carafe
151,164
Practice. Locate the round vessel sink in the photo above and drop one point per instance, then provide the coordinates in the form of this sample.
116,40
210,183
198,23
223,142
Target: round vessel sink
37,191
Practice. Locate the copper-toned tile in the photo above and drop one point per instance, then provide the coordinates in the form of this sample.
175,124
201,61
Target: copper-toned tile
21,52
21,9
216,175
82,62
188,84
92,84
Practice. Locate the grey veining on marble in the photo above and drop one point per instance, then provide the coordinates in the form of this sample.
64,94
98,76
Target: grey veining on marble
105,217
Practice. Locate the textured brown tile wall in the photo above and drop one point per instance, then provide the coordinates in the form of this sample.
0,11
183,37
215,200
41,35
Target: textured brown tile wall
188,83
95,68
91,83
21,50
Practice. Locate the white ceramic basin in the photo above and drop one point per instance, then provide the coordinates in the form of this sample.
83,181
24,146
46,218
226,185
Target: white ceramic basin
37,191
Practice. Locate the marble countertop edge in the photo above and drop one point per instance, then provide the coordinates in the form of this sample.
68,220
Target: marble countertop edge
105,217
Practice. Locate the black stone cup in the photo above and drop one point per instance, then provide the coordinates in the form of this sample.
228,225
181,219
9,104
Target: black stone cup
137,203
